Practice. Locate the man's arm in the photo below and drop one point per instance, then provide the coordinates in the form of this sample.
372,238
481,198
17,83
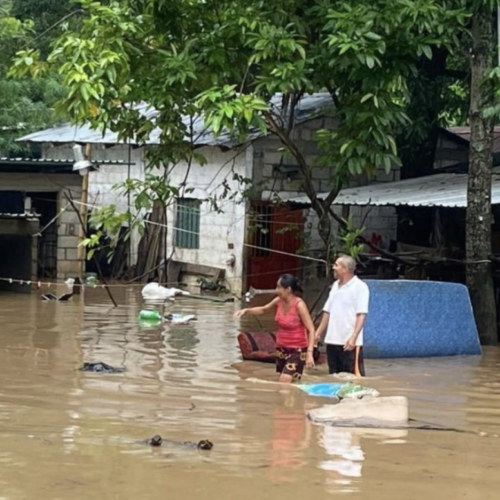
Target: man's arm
358,326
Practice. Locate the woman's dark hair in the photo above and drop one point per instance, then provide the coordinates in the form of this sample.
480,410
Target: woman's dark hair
291,281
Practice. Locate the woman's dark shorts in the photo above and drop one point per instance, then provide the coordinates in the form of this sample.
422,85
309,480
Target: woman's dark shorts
291,361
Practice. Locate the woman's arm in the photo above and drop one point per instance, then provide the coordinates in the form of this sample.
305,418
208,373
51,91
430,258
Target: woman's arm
304,315
259,310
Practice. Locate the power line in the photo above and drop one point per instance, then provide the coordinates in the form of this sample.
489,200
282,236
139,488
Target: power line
49,284
198,233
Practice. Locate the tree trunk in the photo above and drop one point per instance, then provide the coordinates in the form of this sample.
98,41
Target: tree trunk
479,217
321,207
418,153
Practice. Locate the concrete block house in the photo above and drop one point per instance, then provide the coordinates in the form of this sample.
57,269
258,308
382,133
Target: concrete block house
243,238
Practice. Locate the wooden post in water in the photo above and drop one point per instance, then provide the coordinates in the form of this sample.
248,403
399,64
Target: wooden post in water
83,214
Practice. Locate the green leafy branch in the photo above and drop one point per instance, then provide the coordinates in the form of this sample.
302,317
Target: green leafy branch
349,237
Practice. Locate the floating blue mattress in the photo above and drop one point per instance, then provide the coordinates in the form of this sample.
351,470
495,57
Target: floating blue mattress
419,319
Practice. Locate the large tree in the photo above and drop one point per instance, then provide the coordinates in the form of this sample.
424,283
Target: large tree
225,60
389,66
479,216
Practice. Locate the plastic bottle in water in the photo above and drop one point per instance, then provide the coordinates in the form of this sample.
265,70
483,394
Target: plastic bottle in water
150,315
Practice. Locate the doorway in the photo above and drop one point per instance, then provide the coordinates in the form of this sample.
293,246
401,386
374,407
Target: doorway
46,204
273,229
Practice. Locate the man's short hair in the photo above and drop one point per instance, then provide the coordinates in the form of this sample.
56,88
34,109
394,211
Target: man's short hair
348,262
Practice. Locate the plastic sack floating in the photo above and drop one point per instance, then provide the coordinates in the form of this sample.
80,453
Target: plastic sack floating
338,390
180,319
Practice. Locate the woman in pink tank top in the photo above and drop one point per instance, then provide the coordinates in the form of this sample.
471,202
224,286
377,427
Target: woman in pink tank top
295,336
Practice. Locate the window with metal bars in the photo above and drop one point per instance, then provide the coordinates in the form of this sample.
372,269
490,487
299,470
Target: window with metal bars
187,226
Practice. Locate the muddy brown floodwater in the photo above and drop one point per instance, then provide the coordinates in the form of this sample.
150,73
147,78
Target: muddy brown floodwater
66,434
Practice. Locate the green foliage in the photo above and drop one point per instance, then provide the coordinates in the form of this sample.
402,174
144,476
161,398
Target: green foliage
144,193
44,16
349,237
228,109
106,225
225,60
93,243
13,32
25,105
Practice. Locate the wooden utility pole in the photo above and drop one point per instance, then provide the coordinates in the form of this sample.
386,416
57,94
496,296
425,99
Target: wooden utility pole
94,258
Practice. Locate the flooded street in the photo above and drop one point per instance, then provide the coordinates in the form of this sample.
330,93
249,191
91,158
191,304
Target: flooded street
71,434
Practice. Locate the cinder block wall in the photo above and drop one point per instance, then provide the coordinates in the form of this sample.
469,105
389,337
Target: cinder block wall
380,220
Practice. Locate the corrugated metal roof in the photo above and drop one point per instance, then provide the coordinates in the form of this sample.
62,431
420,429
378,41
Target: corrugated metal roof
309,107
442,190
50,161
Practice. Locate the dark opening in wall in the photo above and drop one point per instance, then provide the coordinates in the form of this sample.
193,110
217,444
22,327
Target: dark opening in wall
15,261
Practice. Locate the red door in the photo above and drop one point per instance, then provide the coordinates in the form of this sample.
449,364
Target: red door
273,229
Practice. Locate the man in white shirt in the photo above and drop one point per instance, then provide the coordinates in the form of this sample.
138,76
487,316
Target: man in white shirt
344,314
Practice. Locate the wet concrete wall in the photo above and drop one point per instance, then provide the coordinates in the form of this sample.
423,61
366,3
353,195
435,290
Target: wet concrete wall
103,181
222,233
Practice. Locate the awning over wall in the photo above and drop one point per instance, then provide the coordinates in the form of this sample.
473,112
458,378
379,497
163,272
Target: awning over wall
442,190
